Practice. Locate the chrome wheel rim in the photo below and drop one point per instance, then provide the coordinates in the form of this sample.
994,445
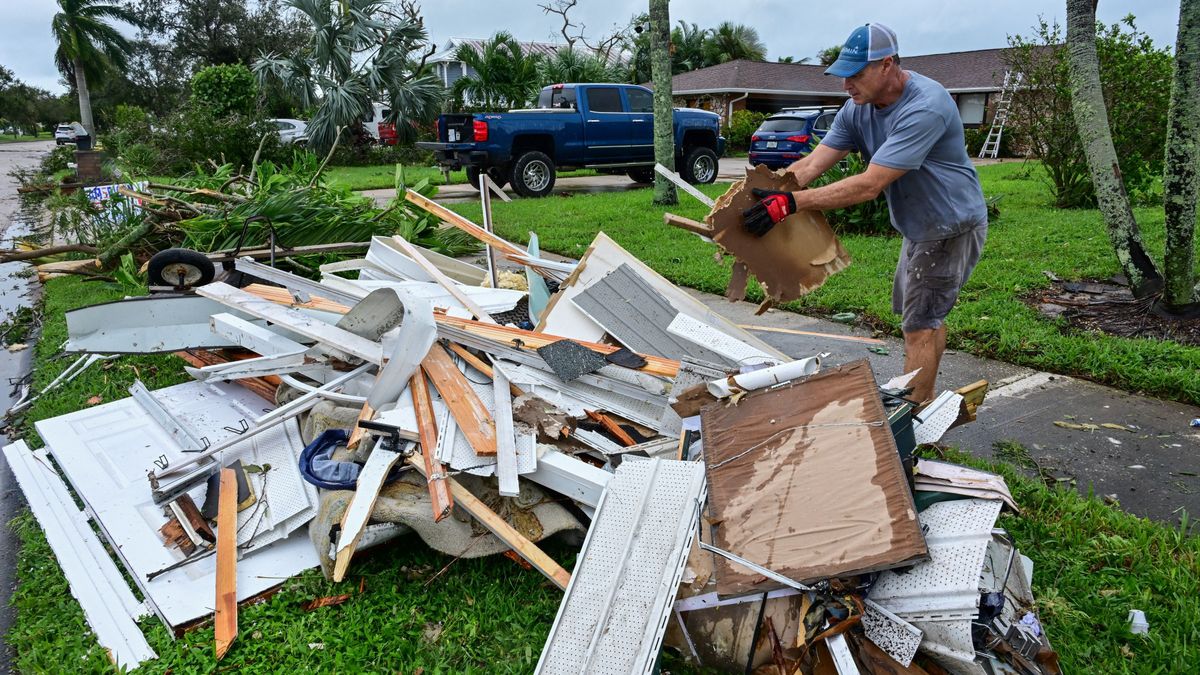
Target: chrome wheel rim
703,168
536,175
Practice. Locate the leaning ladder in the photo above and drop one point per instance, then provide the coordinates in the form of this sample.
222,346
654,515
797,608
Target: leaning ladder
991,145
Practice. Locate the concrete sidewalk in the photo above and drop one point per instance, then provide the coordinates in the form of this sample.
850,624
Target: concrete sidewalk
1153,471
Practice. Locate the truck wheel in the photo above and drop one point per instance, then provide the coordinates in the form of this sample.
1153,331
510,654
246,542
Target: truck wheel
699,165
533,174
498,175
641,175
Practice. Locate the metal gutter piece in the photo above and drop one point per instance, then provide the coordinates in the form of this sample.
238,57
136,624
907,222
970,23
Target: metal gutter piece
717,341
93,577
183,435
568,476
614,612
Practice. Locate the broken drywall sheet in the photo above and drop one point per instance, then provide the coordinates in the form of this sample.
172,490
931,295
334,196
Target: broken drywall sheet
795,257
805,480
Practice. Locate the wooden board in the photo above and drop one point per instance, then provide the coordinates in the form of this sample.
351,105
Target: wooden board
225,625
503,531
439,493
469,413
264,387
478,364
463,224
444,281
354,521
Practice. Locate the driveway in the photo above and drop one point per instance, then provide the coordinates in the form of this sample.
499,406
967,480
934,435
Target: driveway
729,170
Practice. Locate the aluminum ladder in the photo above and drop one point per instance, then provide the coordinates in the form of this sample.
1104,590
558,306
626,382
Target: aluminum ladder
991,145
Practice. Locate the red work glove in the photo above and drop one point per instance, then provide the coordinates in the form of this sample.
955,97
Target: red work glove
774,207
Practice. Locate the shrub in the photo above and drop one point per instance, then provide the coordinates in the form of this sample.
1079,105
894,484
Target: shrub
375,155
976,137
225,90
743,126
194,135
870,217
1136,79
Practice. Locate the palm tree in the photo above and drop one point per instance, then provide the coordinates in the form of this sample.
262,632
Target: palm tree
730,41
360,53
501,75
571,65
688,42
88,46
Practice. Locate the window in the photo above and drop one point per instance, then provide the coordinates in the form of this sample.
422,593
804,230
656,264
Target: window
971,108
557,97
284,126
824,122
640,100
783,124
604,99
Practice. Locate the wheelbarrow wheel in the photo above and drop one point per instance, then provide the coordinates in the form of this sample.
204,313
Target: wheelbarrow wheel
181,268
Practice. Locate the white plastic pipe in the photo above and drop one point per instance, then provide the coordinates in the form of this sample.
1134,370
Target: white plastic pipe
767,377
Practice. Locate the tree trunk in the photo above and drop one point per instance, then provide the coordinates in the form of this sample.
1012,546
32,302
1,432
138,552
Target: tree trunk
664,109
85,100
1181,182
1091,120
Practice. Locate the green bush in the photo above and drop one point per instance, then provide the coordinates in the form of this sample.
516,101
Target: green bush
870,217
194,135
975,138
225,90
377,155
745,123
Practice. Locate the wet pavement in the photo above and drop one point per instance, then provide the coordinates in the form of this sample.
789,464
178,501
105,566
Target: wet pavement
15,292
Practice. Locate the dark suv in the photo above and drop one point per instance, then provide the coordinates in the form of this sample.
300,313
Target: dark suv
787,135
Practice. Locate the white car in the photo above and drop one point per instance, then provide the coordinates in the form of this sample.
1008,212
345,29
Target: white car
291,131
68,133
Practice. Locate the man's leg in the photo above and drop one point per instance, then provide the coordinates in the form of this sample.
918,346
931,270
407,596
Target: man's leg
923,349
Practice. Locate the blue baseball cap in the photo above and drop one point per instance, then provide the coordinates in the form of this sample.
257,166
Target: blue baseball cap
869,42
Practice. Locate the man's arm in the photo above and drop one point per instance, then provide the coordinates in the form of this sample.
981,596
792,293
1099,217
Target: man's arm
855,189
815,163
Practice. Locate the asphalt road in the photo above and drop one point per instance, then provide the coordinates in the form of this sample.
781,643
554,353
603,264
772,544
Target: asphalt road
13,293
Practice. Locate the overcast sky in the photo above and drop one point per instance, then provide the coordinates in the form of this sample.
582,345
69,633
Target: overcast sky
788,27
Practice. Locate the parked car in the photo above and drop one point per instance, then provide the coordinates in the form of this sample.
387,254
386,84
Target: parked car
788,135
376,123
607,127
67,132
291,131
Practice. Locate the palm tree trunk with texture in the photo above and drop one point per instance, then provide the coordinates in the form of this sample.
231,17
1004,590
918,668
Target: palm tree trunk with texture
1181,180
85,100
1091,120
664,115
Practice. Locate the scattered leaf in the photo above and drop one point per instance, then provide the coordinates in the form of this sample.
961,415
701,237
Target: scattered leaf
432,632
1108,592
1126,651
17,346
327,601
1076,426
94,400
1116,427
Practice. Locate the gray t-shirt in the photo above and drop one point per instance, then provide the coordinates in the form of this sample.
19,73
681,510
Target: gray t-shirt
940,196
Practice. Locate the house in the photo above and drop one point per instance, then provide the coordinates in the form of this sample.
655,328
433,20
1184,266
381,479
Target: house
973,78
448,68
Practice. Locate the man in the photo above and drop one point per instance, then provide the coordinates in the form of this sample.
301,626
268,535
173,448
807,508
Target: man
908,128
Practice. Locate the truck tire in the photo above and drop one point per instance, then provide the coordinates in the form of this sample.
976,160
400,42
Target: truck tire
498,175
641,175
699,165
533,174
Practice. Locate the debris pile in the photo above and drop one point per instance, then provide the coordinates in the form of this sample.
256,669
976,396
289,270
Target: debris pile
746,508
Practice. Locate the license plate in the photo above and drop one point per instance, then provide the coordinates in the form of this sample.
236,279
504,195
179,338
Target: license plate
452,135
772,144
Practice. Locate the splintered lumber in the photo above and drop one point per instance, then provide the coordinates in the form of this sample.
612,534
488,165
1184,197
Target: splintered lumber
463,224
611,427
435,473
354,521
695,226
469,413
225,625
264,386
503,531
446,282
655,365
358,432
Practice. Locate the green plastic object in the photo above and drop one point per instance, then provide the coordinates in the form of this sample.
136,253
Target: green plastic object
844,317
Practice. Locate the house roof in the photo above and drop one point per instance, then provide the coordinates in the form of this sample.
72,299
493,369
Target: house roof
980,70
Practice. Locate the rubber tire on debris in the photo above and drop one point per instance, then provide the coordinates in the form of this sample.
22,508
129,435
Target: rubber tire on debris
498,175
689,165
518,174
641,175
166,267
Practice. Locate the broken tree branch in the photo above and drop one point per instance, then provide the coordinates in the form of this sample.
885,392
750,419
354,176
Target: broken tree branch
14,255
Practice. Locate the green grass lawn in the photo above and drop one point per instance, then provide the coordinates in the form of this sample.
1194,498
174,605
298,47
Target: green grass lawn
9,138
384,176
1026,240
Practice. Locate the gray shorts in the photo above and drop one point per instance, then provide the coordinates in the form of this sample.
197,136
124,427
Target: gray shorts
929,276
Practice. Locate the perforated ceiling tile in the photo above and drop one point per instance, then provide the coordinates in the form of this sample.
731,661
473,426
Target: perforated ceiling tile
614,612
936,419
947,586
890,633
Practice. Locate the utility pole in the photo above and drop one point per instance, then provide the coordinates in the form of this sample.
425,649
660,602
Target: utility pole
664,115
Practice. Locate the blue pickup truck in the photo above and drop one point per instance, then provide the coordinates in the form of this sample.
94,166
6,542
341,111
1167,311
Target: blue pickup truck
607,127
